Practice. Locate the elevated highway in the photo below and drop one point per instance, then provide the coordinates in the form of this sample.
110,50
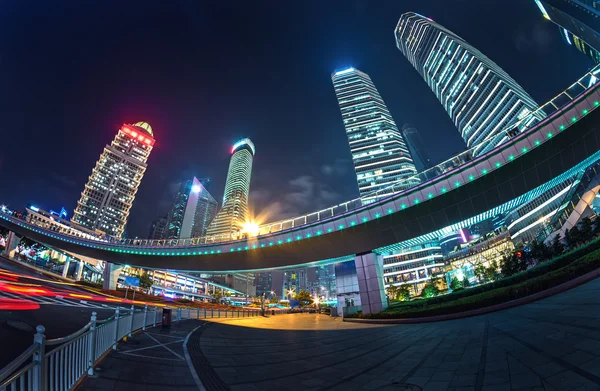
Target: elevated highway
564,142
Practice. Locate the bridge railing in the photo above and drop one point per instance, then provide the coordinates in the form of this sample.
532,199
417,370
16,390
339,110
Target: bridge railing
74,356
514,132
510,132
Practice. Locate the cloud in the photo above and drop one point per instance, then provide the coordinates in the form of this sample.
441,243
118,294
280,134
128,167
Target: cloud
300,195
533,38
340,167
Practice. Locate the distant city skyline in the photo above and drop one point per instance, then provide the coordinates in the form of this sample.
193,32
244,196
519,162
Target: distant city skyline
199,116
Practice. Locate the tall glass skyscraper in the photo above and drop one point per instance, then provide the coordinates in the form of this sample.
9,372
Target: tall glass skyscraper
192,211
573,31
480,98
417,147
379,152
109,193
234,212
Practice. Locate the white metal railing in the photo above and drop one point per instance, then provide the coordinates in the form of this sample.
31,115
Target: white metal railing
74,356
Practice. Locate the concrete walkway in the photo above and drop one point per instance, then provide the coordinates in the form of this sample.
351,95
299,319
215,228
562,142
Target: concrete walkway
552,344
151,360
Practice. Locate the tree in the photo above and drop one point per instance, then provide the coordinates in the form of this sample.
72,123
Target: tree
538,250
392,292
572,237
597,226
217,295
513,264
455,284
480,272
304,298
404,292
430,289
491,272
145,281
557,247
274,300
586,230
466,282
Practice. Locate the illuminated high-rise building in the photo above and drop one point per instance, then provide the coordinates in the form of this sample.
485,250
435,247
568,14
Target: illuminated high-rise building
379,152
192,211
573,31
481,99
587,7
158,228
234,211
416,145
109,193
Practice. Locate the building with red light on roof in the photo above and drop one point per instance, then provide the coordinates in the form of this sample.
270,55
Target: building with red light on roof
109,193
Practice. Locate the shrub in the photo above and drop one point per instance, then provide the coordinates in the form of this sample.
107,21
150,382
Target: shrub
539,283
536,271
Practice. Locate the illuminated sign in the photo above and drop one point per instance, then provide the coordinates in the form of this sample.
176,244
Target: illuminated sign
137,136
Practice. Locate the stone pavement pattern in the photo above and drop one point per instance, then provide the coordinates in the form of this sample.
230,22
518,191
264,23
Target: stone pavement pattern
552,344
151,360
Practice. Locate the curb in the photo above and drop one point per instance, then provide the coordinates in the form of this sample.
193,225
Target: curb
565,286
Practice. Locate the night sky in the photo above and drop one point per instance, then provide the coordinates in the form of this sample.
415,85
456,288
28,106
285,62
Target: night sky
207,73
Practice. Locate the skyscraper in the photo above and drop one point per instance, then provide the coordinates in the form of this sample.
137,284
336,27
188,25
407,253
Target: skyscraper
192,211
264,284
573,31
378,150
158,228
589,7
234,210
416,146
109,193
480,98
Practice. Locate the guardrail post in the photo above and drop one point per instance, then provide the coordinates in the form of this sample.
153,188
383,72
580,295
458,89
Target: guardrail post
197,313
155,313
218,313
212,312
92,345
238,313
39,357
116,338
131,323
145,316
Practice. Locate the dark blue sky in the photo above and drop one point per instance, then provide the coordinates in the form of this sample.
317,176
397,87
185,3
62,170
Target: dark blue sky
205,74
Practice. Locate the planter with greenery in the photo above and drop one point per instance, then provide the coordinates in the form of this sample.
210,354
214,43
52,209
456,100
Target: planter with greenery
540,278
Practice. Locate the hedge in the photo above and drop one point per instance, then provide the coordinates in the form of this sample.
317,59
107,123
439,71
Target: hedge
542,277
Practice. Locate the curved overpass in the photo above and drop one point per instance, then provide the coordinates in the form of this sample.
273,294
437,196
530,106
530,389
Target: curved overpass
562,143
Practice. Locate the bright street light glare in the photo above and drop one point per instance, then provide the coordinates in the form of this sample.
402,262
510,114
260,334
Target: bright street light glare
250,228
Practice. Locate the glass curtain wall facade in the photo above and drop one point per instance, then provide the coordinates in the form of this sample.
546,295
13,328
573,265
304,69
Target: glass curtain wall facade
480,98
234,210
379,152
158,228
109,193
572,31
416,145
415,266
192,211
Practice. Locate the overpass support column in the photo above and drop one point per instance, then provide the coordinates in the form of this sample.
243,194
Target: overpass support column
12,241
111,276
79,271
65,271
369,271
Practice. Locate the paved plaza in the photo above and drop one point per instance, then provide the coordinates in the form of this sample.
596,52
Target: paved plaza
552,344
